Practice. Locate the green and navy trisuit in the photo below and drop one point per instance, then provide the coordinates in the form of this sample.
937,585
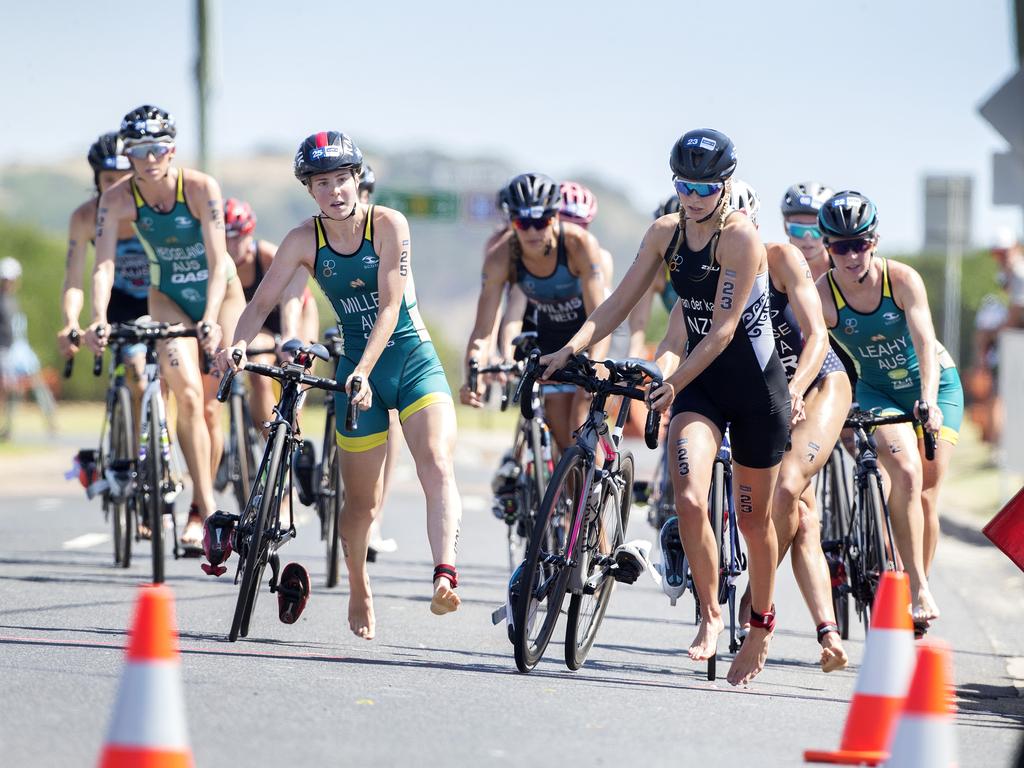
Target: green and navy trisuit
177,252
408,375
880,344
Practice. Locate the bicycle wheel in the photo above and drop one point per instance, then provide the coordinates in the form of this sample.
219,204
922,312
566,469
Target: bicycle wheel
249,532
876,561
718,505
545,575
241,466
332,513
587,611
120,459
153,493
835,530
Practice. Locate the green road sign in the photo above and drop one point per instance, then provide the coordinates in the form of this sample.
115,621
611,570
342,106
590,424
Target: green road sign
429,205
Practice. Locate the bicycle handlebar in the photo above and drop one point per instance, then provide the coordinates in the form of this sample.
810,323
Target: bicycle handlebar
291,372
869,421
580,371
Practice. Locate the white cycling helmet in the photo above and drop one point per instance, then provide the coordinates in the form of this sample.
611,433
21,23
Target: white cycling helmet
10,269
745,199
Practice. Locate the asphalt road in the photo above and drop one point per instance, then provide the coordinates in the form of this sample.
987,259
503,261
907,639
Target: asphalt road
442,691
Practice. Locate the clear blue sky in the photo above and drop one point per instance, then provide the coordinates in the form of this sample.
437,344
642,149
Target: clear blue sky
866,94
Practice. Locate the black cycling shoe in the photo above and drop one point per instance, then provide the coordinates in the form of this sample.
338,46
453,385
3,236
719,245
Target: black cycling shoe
303,470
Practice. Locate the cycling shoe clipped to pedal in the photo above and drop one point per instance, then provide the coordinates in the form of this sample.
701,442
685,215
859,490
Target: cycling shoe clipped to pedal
304,471
292,593
506,612
631,560
218,531
673,560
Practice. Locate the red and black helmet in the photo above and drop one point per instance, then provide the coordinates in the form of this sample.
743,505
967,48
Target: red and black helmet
579,204
324,152
239,220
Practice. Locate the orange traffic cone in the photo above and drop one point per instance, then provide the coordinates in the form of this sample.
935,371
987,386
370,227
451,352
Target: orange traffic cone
882,681
924,734
148,728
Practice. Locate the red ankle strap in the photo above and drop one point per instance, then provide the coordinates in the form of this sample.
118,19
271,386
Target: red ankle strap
448,571
764,620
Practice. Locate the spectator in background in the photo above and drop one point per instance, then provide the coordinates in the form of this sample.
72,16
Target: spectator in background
19,366
1009,255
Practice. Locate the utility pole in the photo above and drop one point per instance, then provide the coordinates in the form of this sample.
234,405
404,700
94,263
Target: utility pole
204,68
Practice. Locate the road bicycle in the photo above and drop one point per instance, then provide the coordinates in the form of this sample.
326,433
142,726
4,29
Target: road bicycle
259,531
583,516
858,536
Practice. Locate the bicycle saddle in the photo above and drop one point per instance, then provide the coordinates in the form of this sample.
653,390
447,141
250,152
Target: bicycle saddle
293,346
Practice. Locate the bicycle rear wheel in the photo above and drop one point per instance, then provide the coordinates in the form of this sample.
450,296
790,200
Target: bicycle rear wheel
120,458
249,534
545,574
717,506
587,611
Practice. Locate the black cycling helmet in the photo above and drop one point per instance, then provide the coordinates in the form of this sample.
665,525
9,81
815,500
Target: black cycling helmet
107,154
847,214
669,206
367,179
703,155
532,195
807,197
325,152
147,124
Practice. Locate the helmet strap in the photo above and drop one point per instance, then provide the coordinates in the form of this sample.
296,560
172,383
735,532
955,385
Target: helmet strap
718,205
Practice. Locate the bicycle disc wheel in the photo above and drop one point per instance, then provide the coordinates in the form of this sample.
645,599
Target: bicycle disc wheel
332,511
121,450
545,576
153,494
249,535
587,611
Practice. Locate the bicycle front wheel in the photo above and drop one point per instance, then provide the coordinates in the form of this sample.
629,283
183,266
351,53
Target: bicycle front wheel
120,457
249,535
876,560
153,491
545,574
586,611
332,517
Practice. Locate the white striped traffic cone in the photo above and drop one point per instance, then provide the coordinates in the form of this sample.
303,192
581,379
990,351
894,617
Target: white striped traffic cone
148,729
882,681
924,734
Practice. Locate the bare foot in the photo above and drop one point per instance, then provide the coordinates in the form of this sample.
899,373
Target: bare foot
705,644
925,609
445,600
833,655
360,612
751,657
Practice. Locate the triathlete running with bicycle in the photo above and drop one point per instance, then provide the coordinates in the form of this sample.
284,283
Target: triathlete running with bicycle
178,216
130,291
820,398
731,375
359,255
559,268
877,309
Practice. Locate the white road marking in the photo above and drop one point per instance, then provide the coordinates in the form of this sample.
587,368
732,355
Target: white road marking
86,540
1015,669
47,504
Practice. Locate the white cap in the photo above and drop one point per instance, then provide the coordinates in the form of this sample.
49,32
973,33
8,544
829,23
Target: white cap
1004,239
10,269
